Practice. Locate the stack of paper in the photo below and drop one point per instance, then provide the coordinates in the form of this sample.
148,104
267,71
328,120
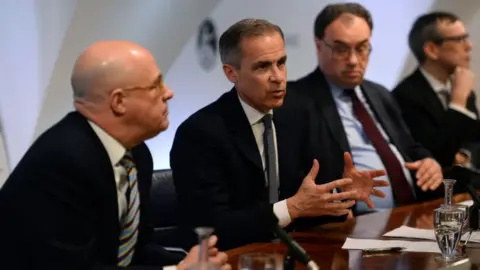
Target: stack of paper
409,246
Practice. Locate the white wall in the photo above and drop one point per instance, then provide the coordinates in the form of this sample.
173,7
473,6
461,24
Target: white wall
32,35
42,38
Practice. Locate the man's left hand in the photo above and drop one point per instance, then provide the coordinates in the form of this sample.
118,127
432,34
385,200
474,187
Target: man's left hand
363,181
429,173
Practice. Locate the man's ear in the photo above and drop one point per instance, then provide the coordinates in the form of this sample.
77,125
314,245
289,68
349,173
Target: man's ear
231,73
431,50
117,101
318,44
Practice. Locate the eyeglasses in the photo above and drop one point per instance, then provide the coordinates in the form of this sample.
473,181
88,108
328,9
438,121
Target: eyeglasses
158,84
457,39
342,52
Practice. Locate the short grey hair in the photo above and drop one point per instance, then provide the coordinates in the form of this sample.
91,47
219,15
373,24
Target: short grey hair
425,29
229,43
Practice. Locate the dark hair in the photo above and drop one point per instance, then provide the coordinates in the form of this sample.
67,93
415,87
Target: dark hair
425,29
229,43
331,12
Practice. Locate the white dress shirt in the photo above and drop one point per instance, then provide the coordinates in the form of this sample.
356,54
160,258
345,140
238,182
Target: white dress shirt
438,87
116,151
255,119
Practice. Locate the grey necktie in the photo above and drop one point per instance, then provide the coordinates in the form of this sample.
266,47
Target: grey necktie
446,97
270,158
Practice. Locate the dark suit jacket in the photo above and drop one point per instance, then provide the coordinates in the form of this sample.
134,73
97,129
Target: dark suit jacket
218,172
315,87
59,206
442,132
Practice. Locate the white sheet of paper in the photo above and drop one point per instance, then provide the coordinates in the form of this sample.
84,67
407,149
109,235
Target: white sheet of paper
468,203
409,232
410,246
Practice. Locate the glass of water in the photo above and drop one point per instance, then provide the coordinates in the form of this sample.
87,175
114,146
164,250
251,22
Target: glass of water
258,261
448,222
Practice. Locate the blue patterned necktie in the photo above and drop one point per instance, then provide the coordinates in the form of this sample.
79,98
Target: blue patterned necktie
130,221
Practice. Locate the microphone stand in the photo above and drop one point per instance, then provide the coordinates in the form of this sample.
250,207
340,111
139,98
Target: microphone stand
289,261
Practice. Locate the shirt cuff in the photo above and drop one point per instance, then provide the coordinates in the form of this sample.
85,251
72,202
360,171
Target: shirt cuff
463,110
281,211
171,267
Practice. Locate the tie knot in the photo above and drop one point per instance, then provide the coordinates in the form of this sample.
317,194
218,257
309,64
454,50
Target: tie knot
349,92
127,162
267,121
445,92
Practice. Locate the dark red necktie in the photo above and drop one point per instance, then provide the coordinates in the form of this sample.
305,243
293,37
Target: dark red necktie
400,187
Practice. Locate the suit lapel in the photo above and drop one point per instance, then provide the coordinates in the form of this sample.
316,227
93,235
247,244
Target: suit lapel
325,104
101,168
237,122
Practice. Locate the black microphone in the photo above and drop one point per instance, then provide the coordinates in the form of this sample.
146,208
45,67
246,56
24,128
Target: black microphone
296,250
463,176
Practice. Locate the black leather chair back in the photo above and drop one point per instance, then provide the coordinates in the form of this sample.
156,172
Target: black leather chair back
163,199
164,209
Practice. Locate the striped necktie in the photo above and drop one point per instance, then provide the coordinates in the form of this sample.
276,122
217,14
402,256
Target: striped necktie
130,221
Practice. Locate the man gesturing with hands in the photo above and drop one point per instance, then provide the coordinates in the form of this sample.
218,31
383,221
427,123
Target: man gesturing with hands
245,159
318,200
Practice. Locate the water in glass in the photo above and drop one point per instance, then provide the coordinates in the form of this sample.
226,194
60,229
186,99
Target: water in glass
448,224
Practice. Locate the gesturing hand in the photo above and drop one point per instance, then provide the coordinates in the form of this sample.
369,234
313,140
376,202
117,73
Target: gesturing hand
318,200
363,182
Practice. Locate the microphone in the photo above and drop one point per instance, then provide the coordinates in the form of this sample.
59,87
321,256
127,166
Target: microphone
462,175
296,250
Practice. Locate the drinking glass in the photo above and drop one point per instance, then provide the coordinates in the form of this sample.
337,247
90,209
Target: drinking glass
203,234
448,224
258,261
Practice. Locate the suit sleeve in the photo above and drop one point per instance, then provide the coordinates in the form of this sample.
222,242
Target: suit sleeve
443,142
201,185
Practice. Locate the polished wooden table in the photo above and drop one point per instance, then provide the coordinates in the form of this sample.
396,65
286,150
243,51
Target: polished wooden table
324,243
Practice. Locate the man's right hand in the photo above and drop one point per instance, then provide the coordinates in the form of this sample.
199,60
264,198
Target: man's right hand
313,200
214,256
462,86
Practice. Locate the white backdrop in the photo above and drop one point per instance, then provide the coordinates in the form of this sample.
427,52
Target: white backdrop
42,38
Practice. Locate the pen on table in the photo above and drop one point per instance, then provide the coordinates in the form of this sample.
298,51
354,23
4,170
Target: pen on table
383,250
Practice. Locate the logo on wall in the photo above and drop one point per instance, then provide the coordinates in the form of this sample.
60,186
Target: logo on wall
207,45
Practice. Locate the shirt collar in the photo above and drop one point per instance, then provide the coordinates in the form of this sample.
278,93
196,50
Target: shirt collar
338,92
253,115
115,150
436,85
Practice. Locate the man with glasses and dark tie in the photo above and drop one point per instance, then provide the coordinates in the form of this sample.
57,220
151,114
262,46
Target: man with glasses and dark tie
79,198
361,116
245,157
437,99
